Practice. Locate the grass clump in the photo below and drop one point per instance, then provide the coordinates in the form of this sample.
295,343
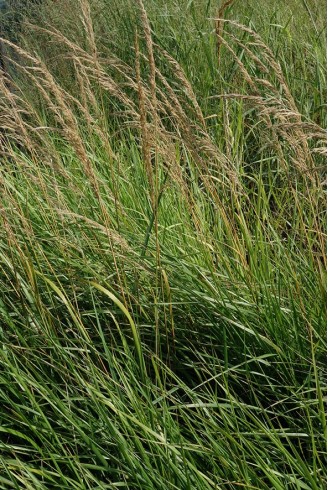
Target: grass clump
162,248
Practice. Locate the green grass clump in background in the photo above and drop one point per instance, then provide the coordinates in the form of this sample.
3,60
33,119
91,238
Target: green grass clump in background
162,247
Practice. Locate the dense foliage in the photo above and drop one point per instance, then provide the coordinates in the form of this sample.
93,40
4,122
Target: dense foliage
163,246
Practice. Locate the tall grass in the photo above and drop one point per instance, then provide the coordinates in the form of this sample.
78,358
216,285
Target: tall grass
163,248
